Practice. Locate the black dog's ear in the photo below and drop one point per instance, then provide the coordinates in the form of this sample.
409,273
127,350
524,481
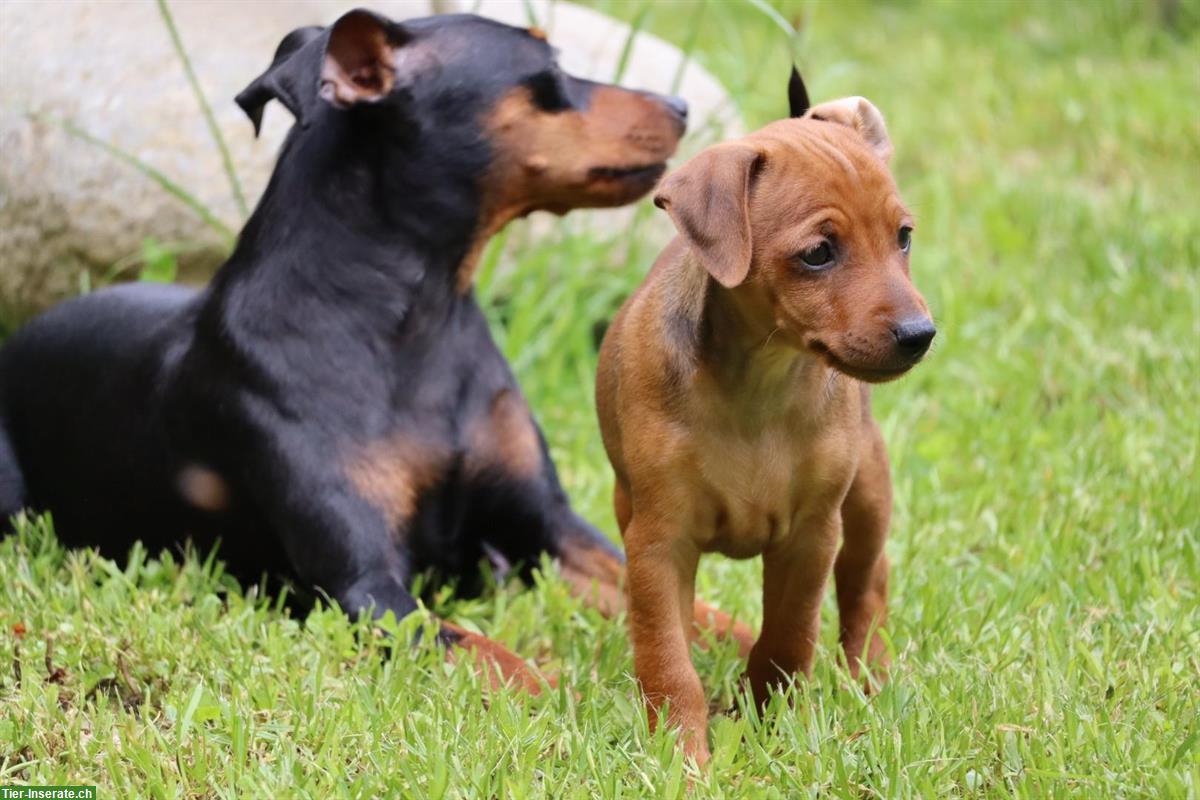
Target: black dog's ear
350,62
284,79
797,94
360,59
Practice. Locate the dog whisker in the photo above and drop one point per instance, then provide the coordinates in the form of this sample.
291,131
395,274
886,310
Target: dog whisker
770,336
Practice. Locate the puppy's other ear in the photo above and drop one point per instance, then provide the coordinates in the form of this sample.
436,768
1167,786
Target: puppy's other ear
360,63
284,79
860,114
797,95
708,199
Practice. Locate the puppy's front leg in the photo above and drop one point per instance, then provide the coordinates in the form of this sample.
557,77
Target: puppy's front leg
661,586
794,576
861,570
596,573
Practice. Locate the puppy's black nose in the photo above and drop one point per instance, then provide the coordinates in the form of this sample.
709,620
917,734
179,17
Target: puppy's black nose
914,335
678,105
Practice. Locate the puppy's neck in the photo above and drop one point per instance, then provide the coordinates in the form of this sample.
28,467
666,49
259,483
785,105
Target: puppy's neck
733,339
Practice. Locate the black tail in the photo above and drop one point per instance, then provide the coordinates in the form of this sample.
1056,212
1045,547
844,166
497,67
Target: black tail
797,94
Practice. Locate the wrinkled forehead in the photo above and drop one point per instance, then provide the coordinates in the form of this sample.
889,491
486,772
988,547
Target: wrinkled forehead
811,150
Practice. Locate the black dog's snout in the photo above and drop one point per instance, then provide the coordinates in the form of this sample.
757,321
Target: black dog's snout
677,105
913,336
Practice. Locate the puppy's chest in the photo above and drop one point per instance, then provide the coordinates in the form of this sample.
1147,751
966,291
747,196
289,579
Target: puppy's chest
759,488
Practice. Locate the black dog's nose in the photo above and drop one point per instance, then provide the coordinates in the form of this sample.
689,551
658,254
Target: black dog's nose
678,105
914,335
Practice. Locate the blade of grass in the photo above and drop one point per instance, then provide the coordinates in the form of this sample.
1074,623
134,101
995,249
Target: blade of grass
635,27
137,259
168,185
530,14
218,139
776,18
487,269
689,45
185,723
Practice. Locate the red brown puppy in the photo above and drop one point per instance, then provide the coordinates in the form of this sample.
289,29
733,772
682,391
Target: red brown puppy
734,402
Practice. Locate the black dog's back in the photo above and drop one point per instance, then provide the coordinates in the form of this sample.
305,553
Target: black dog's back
97,462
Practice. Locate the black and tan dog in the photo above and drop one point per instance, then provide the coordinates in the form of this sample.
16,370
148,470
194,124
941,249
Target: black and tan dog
733,396
332,407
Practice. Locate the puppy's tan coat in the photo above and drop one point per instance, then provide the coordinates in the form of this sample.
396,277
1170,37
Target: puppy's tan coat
733,400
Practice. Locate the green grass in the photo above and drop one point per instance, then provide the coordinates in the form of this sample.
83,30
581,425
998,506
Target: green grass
1045,609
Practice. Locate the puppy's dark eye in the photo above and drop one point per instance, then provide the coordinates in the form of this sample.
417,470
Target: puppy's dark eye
904,238
819,257
548,92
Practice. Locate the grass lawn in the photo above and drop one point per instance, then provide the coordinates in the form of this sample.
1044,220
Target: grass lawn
1046,586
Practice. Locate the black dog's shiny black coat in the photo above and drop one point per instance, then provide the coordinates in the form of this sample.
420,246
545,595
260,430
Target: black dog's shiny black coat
336,323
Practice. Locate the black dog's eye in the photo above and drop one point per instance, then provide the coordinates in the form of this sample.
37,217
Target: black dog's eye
819,257
904,238
547,90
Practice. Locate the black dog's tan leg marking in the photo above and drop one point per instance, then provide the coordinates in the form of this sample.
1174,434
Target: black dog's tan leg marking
498,665
391,474
861,569
333,538
723,626
594,572
340,544
505,439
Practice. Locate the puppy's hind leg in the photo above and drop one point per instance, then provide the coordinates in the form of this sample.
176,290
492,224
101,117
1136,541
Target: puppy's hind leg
12,483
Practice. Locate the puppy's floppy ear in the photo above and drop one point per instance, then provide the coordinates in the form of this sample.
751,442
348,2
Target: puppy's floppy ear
797,95
708,199
860,114
353,61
